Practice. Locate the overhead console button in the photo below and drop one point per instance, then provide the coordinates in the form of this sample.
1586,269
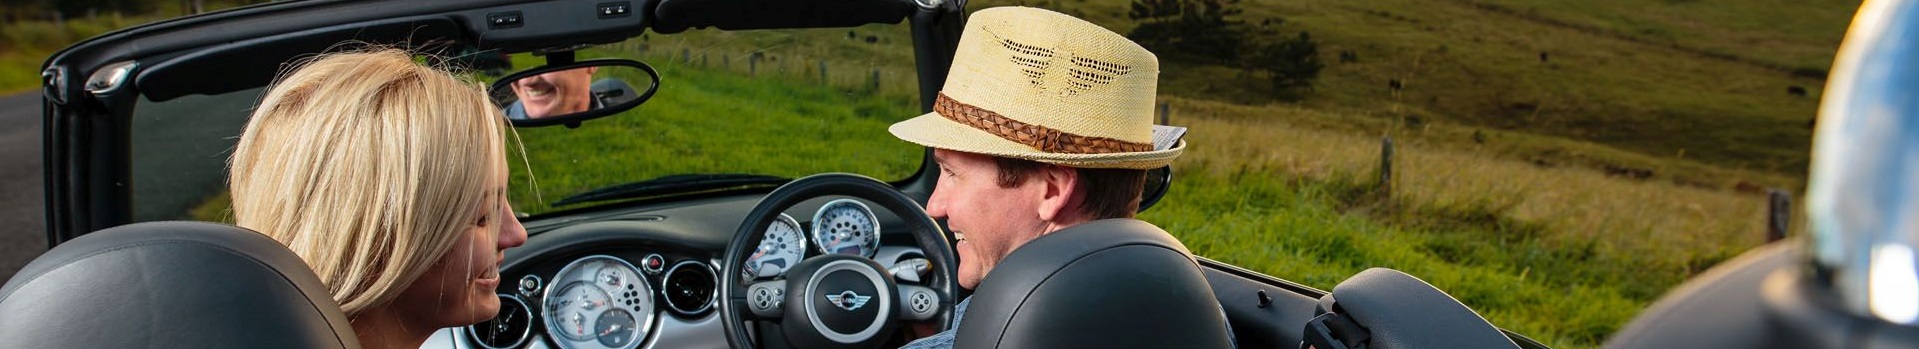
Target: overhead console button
504,20
614,9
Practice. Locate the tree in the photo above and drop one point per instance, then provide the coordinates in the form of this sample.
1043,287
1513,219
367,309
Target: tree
1198,28
1290,65
1207,31
76,8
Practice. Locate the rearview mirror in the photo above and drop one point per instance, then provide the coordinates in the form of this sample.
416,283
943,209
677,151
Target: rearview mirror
567,94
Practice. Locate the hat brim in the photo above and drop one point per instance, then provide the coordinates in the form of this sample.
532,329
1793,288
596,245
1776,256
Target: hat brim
936,131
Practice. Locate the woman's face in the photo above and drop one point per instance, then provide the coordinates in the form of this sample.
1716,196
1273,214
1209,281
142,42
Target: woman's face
460,288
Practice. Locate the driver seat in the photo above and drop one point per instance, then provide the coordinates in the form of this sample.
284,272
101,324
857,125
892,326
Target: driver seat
170,284
1115,283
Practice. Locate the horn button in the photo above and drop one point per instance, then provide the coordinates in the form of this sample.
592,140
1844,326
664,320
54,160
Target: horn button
848,302
844,301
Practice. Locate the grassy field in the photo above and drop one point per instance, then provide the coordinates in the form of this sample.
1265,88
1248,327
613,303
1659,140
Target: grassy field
717,121
24,46
1628,74
27,43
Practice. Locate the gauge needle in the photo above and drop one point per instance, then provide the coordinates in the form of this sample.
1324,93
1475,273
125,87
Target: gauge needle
610,330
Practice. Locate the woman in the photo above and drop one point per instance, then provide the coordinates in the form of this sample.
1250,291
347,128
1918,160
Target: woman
389,179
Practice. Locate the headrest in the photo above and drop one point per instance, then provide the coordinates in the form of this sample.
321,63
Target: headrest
170,284
1117,283
1403,312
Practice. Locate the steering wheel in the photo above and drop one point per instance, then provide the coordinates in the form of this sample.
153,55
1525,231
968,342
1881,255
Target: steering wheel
835,300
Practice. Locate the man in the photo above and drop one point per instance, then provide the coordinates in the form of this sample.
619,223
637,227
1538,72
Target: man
1045,122
565,92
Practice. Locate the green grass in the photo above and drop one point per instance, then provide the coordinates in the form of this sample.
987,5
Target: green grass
1563,254
707,121
24,46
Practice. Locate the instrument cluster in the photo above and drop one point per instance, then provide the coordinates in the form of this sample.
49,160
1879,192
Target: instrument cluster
844,226
600,301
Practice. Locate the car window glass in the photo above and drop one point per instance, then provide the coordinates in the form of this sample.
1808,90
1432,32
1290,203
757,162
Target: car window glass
753,103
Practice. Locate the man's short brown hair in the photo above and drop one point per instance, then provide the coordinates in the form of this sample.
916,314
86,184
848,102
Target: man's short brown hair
1109,192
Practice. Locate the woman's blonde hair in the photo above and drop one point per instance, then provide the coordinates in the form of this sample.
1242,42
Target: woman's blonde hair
369,166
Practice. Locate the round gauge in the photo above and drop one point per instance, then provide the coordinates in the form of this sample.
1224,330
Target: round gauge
610,278
781,248
569,311
615,328
846,226
599,302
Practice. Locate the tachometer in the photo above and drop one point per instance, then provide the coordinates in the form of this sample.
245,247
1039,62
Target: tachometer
615,328
601,303
846,226
783,246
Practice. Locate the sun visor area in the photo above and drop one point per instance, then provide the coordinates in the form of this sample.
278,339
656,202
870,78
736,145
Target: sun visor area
679,15
255,62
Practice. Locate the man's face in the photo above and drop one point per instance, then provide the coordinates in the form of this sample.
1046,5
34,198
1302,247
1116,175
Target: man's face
556,93
989,221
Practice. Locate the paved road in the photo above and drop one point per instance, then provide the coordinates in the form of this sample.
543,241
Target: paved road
22,199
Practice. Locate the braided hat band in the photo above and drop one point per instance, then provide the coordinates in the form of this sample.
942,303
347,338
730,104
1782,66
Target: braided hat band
1039,137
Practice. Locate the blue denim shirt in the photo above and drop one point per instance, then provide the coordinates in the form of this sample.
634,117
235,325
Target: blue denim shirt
944,339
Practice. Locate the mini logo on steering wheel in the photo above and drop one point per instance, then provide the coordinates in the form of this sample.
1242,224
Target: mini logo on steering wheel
848,300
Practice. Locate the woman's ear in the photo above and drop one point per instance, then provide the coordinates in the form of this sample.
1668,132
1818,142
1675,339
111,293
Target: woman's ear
1060,198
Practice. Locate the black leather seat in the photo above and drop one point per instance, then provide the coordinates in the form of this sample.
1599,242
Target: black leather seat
1403,312
1117,283
171,285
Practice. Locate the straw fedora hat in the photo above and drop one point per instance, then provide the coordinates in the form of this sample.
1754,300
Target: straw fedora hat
1033,84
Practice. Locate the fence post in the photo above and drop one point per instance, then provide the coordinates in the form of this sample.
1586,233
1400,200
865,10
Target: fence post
753,64
1386,165
1165,114
823,80
1779,214
876,80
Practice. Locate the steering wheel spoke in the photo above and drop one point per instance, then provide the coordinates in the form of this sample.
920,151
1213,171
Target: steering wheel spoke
766,300
918,303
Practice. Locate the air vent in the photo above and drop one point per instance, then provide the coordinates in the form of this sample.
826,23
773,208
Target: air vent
508,329
690,288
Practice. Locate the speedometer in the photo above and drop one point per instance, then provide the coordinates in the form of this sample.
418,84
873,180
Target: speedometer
846,226
601,303
783,246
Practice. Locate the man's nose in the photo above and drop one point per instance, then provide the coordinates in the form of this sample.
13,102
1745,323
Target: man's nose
936,204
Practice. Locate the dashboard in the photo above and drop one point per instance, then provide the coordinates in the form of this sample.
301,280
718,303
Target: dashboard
647,276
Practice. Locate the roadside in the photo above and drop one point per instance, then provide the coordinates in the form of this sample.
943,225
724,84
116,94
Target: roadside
23,220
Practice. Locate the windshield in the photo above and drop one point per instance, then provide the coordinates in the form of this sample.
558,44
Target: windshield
729,103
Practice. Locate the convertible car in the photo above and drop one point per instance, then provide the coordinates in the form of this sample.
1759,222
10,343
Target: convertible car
674,221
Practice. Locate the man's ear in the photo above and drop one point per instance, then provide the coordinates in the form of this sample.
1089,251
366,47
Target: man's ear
1059,195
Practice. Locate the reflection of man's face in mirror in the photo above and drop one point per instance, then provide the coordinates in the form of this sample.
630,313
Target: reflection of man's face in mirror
556,93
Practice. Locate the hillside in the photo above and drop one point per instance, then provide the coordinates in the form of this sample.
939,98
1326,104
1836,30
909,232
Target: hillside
1674,81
